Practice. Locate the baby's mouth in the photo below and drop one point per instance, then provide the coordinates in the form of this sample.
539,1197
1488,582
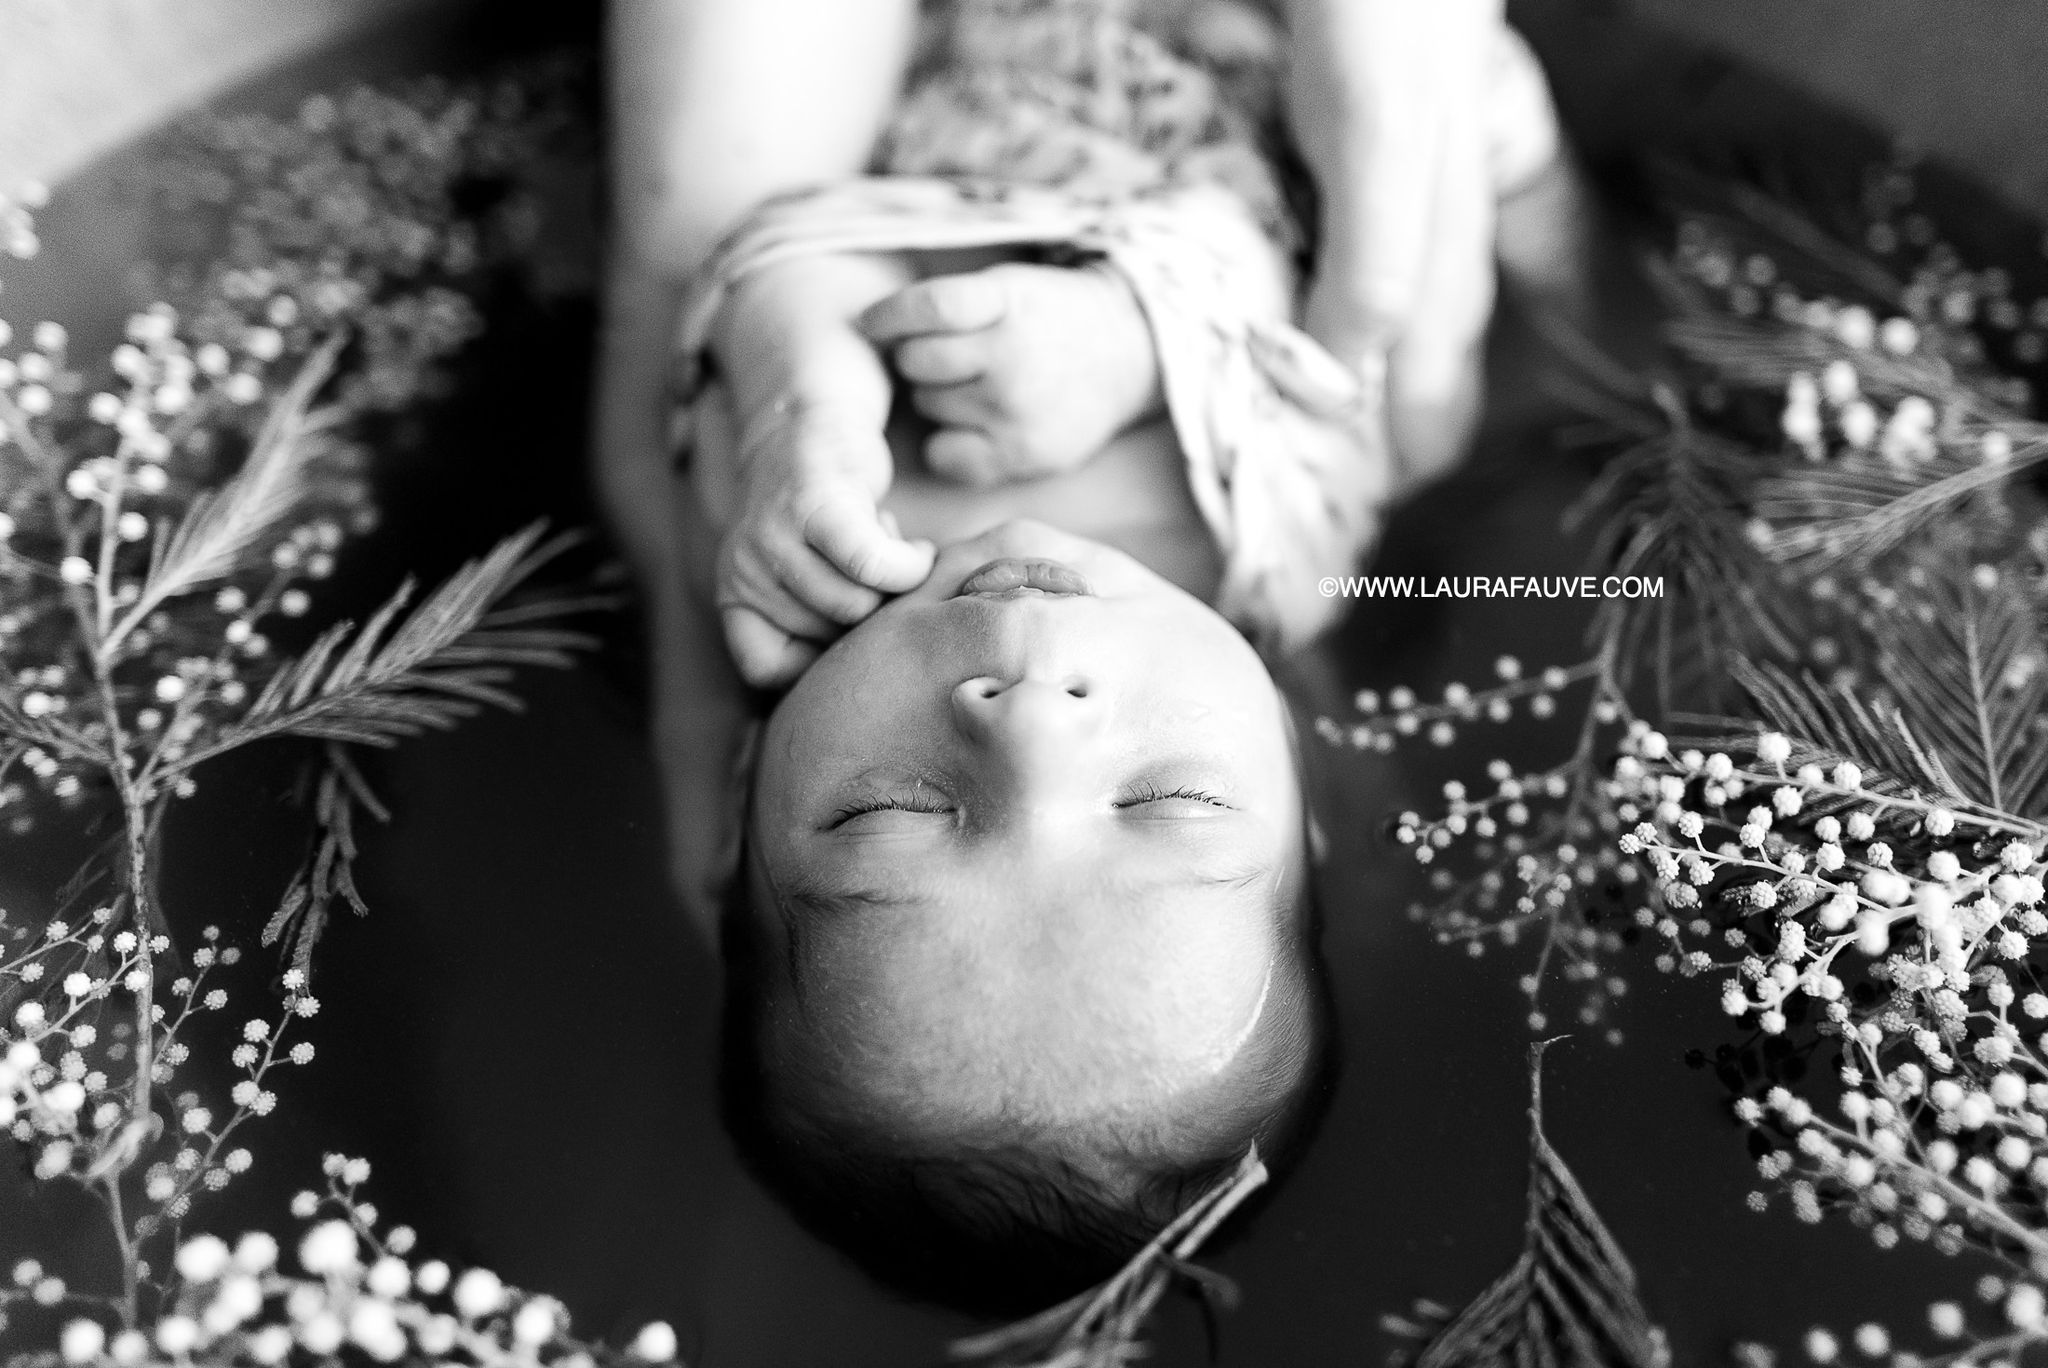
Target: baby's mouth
1016,577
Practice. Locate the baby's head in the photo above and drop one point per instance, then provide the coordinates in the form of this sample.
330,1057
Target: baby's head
1023,958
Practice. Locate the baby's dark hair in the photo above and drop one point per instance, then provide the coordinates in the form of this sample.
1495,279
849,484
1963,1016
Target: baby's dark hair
1023,1213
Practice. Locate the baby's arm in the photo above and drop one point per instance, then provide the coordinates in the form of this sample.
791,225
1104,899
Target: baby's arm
1028,370
806,551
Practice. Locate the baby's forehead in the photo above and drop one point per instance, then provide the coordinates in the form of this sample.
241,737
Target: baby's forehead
1161,973
946,1052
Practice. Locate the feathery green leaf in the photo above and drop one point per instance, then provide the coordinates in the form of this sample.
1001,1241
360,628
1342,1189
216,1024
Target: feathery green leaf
1969,669
397,678
221,527
1570,1300
1101,1328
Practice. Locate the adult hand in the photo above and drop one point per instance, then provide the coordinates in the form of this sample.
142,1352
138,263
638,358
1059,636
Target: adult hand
1395,108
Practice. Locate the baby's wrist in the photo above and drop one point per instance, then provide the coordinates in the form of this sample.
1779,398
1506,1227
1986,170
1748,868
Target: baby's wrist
799,435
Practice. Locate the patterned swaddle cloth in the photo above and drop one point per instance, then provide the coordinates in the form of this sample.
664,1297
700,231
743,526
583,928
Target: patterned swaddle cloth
1062,124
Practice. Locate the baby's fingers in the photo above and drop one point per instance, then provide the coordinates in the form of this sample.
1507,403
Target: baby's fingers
767,656
849,534
791,585
942,304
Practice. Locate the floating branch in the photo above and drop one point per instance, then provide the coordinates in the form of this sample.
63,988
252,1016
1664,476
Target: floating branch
382,683
1100,1328
1569,1300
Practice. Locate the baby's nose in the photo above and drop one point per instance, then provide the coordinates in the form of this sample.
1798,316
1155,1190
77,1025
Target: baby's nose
1012,713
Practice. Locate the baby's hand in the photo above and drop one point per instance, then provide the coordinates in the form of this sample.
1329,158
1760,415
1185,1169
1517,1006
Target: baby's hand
1028,370
811,554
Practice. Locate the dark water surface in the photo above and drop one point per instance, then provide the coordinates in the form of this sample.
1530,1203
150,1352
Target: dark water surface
521,1035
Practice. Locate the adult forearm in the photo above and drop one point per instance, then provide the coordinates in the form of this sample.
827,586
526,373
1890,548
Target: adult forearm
716,105
1382,95
630,410
720,104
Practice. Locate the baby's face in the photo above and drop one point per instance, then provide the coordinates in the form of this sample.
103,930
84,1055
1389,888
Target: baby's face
1033,824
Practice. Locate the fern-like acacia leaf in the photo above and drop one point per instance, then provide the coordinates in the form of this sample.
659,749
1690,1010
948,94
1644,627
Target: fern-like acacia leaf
1103,1327
1570,1300
220,528
1673,507
1969,669
303,913
1829,724
398,675
1859,506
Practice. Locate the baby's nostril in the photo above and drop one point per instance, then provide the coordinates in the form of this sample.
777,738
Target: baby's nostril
1078,690
989,691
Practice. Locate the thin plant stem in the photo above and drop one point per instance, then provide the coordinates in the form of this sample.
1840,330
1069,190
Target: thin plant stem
131,1280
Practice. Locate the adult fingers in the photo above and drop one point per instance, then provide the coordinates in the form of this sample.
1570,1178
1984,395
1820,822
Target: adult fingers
951,303
965,456
849,534
767,656
1545,223
943,358
1434,404
1434,380
1380,100
1380,254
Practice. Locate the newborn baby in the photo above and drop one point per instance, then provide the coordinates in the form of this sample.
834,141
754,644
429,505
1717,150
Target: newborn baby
1020,948
1019,944
1022,954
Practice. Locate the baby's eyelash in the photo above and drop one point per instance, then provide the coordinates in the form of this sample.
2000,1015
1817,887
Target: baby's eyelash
919,802
1148,793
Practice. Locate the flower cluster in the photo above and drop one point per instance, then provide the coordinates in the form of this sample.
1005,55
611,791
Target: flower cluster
1908,924
1382,721
66,1091
113,512
1829,482
352,248
165,513
357,1293
1998,1326
382,212
1976,316
1532,853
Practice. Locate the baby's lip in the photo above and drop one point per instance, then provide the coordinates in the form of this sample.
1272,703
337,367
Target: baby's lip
1015,576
